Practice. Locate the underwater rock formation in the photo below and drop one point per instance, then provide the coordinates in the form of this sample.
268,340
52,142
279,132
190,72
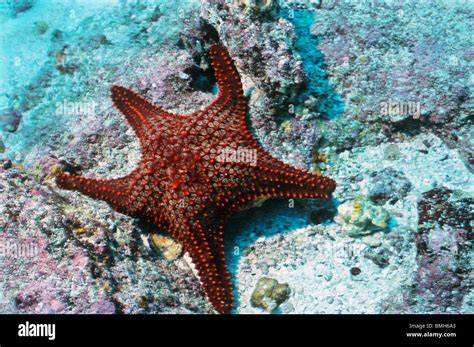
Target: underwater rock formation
388,185
396,69
445,246
13,8
60,256
9,120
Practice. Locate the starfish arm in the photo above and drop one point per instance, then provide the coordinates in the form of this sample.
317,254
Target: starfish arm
205,245
226,114
275,178
112,191
145,119
227,76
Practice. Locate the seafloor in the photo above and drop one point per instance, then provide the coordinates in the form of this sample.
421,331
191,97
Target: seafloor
377,95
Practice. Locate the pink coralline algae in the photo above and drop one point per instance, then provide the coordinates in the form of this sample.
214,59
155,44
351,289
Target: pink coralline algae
444,243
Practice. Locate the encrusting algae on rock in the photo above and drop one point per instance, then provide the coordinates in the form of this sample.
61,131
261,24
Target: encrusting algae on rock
361,217
166,246
269,294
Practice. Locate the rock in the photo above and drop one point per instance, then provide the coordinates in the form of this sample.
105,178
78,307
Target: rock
2,147
41,27
261,6
269,294
75,263
355,271
328,275
361,217
380,257
13,8
10,119
7,164
392,152
345,31
96,40
166,246
388,185
371,241
444,243
57,35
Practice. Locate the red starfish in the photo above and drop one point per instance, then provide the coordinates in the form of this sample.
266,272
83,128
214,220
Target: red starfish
195,171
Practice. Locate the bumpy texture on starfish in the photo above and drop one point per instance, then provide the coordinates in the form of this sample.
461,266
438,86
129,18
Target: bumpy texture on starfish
192,174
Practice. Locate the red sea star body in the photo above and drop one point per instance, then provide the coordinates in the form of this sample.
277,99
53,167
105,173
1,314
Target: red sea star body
191,177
